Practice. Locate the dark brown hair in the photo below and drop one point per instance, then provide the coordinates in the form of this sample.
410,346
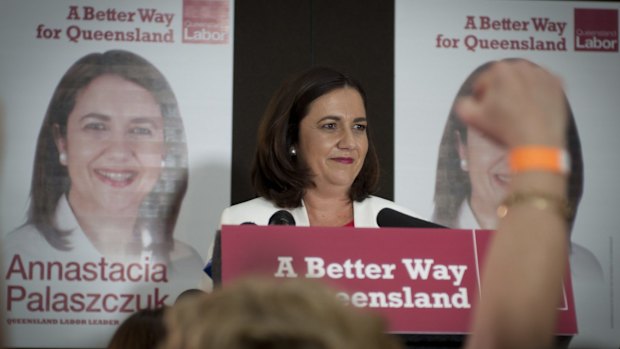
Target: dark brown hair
282,178
50,179
452,184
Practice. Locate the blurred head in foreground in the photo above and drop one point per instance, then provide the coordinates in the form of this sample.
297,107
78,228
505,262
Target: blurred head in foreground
269,314
144,329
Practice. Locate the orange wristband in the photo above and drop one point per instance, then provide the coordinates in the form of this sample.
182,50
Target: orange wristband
539,158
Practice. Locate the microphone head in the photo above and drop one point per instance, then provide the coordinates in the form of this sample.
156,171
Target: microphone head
282,217
388,217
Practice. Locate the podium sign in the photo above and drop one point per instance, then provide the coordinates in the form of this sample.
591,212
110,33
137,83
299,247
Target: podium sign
421,280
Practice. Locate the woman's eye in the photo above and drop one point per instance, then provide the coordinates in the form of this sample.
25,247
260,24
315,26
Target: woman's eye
329,126
142,131
360,127
95,126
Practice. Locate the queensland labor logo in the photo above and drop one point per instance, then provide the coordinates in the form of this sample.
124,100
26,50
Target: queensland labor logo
206,21
596,30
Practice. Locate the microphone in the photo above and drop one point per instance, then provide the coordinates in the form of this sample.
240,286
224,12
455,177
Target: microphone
388,217
282,217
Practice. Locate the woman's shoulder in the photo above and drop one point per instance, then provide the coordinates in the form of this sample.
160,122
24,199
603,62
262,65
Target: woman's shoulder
584,264
186,255
252,211
252,203
25,235
27,242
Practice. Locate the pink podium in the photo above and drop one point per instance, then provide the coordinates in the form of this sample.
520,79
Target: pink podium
423,281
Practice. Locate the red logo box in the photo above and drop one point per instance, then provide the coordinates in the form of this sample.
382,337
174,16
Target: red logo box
206,21
596,30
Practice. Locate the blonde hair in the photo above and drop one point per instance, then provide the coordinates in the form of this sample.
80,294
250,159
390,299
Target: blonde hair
269,314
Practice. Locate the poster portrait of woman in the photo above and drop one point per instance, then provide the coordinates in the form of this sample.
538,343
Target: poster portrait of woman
110,169
473,176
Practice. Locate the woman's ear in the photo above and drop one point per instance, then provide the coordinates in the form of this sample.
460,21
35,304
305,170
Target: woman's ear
61,145
461,147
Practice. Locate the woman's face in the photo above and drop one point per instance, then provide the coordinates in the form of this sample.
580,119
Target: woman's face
489,174
114,145
332,138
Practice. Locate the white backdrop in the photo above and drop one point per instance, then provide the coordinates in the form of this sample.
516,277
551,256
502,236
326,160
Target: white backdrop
427,80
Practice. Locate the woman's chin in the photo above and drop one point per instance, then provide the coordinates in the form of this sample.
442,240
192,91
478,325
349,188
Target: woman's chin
119,207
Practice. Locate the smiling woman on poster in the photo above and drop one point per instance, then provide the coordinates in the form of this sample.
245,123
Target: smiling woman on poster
110,169
473,176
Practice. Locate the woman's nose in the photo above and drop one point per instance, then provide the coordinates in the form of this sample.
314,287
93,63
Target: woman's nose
120,148
347,139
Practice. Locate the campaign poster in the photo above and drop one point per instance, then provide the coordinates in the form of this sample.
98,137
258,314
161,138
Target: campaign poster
441,46
115,121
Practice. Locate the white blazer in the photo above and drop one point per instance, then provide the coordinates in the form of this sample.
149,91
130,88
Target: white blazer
259,210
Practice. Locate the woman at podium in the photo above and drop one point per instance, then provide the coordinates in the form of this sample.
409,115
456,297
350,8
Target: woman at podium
315,163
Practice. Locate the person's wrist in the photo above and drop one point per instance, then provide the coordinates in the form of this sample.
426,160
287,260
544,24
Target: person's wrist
536,127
